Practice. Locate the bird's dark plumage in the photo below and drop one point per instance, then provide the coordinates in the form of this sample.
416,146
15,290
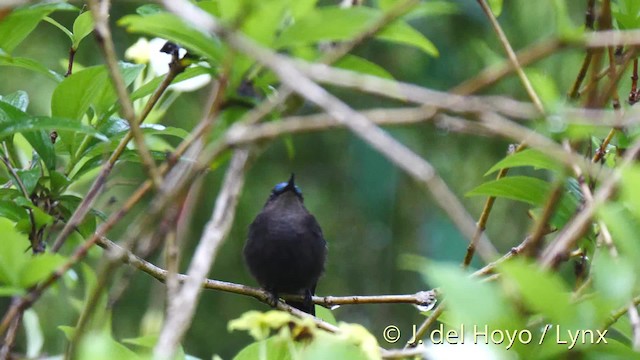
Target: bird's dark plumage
285,249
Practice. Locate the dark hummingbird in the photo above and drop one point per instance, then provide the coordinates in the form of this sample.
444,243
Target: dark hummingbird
285,250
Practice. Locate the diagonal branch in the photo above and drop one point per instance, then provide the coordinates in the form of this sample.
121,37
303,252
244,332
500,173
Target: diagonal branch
103,36
289,73
182,307
512,56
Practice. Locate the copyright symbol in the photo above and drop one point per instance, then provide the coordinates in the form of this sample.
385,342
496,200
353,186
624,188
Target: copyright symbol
391,334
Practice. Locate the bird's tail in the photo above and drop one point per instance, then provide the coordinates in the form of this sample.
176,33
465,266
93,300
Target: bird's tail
307,304
308,307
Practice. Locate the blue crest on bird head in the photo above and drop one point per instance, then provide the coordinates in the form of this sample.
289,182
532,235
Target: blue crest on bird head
285,186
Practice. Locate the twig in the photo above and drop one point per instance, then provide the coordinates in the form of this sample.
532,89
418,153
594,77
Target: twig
512,56
493,74
182,307
10,337
423,298
37,246
96,187
72,55
589,22
573,231
426,324
413,93
103,37
289,74
534,242
481,224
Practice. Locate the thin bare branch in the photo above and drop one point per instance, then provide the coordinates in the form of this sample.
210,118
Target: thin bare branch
100,13
512,56
182,307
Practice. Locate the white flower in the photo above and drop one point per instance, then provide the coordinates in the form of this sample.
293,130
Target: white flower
139,52
159,62
143,52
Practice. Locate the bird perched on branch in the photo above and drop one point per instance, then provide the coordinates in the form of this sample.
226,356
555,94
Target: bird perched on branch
285,250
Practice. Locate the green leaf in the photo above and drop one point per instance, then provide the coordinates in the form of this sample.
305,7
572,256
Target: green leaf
527,157
11,211
149,9
624,228
326,315
11,291
29,178
101,346
172,28
15,27
90,86
108,96
433,9
364,66
12,253
333,23
41,217
39,268
326,346
546,88
82,26
522,188
19,100
496,7
59,26
472,302
14,120
614,279
29,64
152,85
274,347
542,291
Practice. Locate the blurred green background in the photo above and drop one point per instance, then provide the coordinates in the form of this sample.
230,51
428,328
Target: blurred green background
370,212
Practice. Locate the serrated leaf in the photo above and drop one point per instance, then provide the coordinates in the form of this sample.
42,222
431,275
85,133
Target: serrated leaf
82,26
527,157
172,28
15,27
522,188
334,23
